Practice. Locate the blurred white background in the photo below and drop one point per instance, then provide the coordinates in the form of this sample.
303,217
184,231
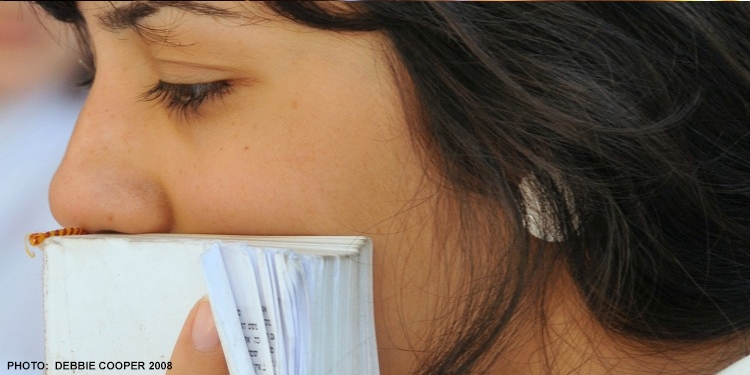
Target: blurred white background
38,107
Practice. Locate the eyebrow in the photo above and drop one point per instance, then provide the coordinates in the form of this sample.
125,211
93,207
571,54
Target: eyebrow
128,16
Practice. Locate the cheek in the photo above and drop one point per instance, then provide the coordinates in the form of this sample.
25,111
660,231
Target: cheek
306,191
260,202
305,172
307,151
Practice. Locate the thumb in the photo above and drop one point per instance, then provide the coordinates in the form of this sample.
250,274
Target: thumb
198,350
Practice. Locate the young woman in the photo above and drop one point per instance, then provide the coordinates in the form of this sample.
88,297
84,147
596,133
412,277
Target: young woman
550,188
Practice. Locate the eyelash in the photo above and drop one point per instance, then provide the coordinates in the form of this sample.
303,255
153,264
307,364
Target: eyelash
186,99
182,99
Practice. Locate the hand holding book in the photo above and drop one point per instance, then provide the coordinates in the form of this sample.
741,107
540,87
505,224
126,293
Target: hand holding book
282,305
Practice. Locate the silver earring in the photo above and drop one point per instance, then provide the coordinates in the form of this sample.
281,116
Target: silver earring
539,220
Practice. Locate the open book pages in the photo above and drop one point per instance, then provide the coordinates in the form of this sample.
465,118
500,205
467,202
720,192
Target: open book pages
282,305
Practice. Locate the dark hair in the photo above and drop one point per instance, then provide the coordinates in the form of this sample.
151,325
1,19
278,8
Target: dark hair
633,122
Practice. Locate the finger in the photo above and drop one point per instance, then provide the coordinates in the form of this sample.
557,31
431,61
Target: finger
198,350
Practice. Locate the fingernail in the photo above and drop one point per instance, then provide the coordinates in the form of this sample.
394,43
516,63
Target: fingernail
205,337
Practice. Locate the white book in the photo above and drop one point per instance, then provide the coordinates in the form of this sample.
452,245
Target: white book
282,305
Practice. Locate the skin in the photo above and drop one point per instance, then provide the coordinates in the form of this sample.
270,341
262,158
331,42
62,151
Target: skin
310,140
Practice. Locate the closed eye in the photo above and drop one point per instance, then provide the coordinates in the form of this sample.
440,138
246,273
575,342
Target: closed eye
186,99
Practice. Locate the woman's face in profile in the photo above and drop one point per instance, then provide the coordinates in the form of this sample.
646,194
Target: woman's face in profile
251,124
244,124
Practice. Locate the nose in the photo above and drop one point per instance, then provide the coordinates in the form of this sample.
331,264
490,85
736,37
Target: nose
106,181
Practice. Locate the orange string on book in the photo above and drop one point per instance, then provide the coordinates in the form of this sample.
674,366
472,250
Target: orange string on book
36,239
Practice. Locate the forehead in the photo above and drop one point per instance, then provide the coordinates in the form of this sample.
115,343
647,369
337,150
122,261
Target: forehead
119,15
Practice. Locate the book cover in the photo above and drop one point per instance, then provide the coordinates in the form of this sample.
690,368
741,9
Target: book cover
282,305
